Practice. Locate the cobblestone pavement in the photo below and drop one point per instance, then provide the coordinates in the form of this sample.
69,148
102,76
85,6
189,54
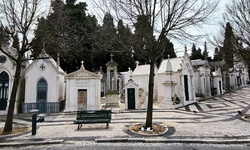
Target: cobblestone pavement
228,104
212,120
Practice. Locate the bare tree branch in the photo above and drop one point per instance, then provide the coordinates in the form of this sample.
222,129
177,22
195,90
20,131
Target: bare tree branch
163,18
238,14
20,17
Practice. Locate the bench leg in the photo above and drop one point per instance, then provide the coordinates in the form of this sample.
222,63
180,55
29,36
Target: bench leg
107,126
79,126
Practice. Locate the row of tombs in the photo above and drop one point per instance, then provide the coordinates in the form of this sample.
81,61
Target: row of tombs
45,86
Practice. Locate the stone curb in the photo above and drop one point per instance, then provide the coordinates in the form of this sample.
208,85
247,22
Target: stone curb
143,140
134,140
7,144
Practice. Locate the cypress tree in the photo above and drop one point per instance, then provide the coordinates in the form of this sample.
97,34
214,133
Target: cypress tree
196,53
228,46
205,52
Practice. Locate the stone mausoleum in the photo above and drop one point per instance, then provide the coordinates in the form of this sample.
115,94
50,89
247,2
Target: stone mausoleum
83,90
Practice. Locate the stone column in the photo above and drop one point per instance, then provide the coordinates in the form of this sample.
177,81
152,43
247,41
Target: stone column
108,80
115,80
112,93
167,102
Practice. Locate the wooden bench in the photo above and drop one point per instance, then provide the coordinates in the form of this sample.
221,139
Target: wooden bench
93,116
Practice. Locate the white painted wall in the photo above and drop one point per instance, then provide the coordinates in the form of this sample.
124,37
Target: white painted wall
93,96
187,70
83,80
180,67
55,81
141,77
202,81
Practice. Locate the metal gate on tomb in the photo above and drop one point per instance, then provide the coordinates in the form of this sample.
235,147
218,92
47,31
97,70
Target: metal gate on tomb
42,88
131,98
4,88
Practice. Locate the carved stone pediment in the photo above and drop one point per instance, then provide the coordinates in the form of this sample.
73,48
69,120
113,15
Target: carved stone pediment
82,74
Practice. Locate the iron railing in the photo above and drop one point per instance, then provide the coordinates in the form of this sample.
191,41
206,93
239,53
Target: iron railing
49,107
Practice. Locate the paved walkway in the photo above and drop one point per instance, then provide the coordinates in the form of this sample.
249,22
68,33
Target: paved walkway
215,120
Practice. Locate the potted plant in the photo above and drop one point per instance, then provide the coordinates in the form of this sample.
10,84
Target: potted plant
175,99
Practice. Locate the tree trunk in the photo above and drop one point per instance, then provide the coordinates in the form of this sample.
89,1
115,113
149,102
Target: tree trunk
9,119
150,96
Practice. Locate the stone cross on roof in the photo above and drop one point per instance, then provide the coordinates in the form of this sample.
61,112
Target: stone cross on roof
111,55
82,66
130,73
43,48
137,63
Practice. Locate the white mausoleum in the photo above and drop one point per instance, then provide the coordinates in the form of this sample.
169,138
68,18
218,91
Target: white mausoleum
217,82
7,72
83,90
202,80
140,76
180,80
44,82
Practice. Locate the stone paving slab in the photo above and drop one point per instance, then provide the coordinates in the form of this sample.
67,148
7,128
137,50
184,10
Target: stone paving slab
193,125
217,123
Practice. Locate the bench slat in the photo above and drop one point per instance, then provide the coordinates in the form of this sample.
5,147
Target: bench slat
91,121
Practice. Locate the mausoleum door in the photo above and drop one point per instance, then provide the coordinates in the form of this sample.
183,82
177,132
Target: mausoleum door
82,99
4,88
42,88
131,98
186,87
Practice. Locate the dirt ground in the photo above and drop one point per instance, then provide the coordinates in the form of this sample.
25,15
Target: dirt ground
15,130
157,129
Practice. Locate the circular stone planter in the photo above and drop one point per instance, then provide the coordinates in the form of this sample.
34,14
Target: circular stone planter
246,117
158,129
